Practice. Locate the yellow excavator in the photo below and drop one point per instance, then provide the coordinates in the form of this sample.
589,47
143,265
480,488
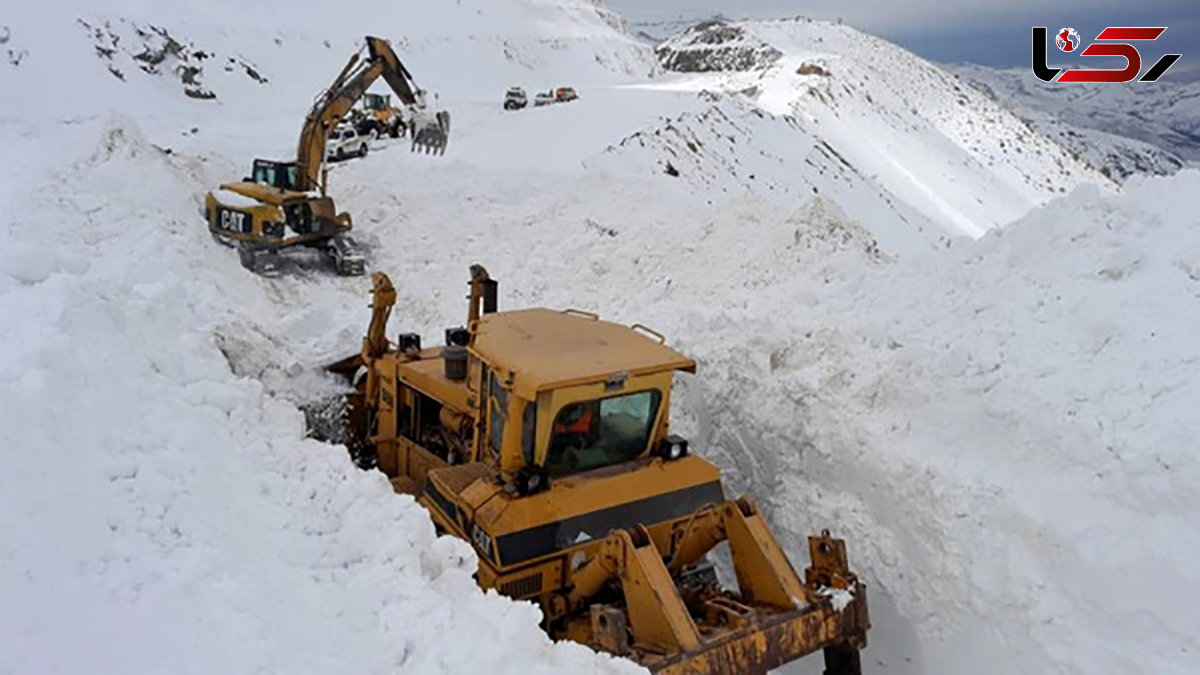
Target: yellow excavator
543,439
284,204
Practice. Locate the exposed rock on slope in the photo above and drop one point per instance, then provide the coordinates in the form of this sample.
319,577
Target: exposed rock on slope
713,46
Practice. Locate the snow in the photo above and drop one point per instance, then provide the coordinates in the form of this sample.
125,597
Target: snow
1001,429
232,198
840,598
1120,129
167,514
1165,115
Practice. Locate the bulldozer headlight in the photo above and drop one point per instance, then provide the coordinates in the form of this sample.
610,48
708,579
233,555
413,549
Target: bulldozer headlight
673,447
531,480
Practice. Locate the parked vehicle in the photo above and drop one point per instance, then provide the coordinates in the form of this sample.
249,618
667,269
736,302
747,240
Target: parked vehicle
515,99
345,141
564,94
543,98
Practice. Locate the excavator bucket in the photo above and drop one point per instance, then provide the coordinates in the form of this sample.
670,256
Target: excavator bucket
431,133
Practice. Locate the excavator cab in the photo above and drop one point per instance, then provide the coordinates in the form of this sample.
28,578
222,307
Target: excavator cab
542,438
283,175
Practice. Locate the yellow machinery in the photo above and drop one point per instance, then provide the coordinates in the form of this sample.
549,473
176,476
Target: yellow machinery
542,438
284,204
379,117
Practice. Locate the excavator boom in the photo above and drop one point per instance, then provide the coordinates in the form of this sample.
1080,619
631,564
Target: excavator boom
430,132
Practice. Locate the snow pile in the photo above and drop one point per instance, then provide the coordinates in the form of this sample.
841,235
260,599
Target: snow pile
730,149
1003,432
163,513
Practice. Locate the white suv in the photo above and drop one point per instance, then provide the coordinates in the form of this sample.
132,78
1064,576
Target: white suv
515,99
345,142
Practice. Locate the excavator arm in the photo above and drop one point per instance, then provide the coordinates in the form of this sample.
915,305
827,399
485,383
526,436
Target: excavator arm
430,133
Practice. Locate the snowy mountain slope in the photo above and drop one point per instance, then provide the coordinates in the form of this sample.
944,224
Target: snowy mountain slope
266,65
730,149
1161,122
942,148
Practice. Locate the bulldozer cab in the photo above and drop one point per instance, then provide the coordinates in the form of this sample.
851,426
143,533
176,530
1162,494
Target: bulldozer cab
283,175
376,102
569,393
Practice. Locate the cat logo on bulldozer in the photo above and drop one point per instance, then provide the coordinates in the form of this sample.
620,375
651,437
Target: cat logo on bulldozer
233,221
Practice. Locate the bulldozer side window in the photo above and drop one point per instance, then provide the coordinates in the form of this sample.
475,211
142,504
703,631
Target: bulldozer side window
591,434
528,430
499,398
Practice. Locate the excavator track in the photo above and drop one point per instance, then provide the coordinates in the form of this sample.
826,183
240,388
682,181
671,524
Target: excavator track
347,258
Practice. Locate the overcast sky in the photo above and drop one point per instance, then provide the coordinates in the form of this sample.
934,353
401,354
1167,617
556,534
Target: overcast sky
993,32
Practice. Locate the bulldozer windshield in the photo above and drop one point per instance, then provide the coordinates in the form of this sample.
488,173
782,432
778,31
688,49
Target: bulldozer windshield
375,101
601,432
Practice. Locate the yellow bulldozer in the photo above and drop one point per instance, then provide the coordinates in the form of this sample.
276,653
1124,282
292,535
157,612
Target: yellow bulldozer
281,205
378,117
543,438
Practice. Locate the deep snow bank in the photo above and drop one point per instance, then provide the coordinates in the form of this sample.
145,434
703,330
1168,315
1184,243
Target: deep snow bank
1004,432
163,514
